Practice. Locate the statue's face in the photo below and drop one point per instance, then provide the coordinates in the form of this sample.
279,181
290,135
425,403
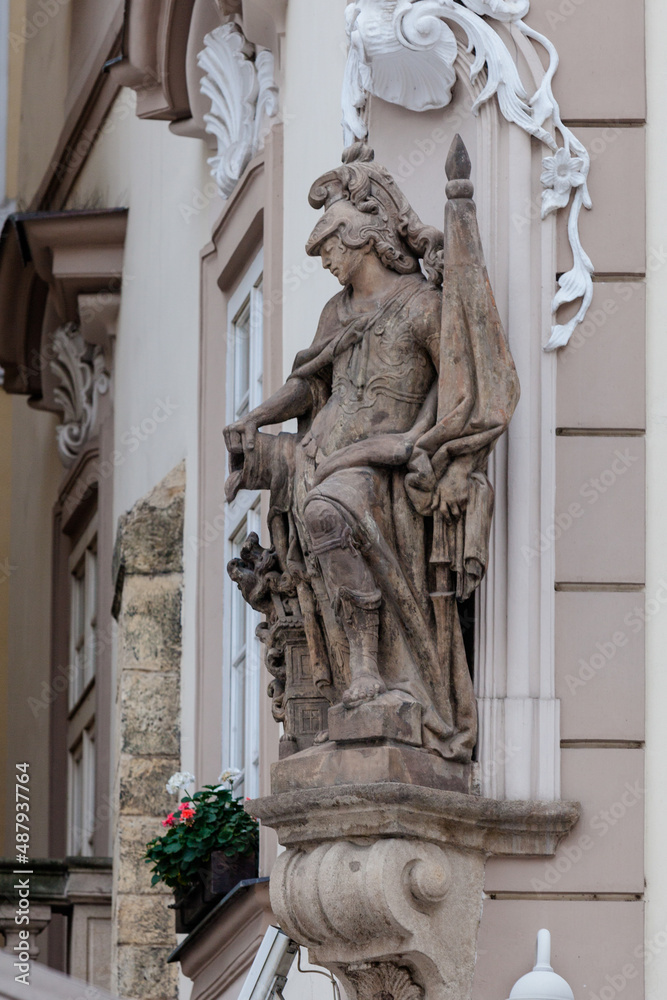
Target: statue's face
343,262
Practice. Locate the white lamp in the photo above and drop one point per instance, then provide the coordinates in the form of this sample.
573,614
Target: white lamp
542,983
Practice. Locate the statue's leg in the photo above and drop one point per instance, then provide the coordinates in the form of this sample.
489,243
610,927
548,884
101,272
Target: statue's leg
353,593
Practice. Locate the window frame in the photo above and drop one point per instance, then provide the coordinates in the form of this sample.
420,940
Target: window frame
241,517
83,551
246,292
81,698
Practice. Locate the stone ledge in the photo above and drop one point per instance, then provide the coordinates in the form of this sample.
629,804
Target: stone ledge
60,882
311,816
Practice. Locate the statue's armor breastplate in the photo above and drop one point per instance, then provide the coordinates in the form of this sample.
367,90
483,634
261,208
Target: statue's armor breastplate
379,384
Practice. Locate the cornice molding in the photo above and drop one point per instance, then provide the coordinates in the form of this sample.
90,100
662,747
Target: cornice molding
404,51
154,63
239,84
55,268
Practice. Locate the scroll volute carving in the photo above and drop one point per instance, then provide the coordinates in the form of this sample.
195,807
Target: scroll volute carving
81,379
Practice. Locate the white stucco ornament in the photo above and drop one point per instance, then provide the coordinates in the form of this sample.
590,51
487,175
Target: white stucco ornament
239,83
80,370
404,51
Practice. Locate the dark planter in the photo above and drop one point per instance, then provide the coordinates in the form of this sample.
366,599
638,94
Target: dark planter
218,878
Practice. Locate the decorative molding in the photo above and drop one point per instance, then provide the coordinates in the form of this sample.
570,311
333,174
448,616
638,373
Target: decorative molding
154,63
384,979
239,83
228,8
404,51
51,260
80,370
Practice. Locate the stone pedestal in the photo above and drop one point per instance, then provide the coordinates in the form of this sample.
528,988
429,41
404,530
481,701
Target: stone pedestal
388,717
334,764
383,881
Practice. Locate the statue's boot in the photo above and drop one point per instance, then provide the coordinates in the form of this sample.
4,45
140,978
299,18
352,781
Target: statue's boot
361,620
354,596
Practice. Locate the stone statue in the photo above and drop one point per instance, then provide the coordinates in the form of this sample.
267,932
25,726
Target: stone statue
380,506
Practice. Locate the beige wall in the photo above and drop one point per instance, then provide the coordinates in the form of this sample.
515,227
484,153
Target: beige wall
5,577
35,474
44,92
656,558
16,50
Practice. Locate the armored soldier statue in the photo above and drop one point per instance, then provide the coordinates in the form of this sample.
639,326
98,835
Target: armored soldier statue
380,505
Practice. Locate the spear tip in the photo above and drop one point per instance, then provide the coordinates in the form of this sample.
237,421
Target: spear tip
457,165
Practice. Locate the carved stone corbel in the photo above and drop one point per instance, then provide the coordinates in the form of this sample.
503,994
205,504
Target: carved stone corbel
384,883
378,914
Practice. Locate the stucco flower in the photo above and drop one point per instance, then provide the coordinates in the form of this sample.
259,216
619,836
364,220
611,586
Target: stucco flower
560,173
179,780
502,10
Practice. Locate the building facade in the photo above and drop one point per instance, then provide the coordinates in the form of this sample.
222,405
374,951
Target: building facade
154,287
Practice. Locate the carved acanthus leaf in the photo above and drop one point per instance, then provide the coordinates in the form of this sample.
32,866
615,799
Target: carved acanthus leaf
82,376
240,85
404,52
383,981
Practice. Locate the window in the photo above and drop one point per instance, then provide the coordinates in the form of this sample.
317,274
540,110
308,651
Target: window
81,697
81,820
83,617
244,350
241,656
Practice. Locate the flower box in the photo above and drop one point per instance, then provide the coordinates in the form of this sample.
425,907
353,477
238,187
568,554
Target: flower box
217,879
210,845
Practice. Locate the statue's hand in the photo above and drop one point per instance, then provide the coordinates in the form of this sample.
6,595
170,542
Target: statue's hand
451,494
240,436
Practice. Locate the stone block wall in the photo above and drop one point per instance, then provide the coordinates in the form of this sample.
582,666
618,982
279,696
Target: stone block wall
148,568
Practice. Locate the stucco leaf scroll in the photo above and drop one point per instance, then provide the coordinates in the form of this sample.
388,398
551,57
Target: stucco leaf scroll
80,370
239,83
404,52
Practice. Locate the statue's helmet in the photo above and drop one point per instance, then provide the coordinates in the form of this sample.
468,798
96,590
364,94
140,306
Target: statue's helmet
363,203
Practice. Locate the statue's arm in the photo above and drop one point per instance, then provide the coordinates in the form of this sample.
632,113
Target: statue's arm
292,400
